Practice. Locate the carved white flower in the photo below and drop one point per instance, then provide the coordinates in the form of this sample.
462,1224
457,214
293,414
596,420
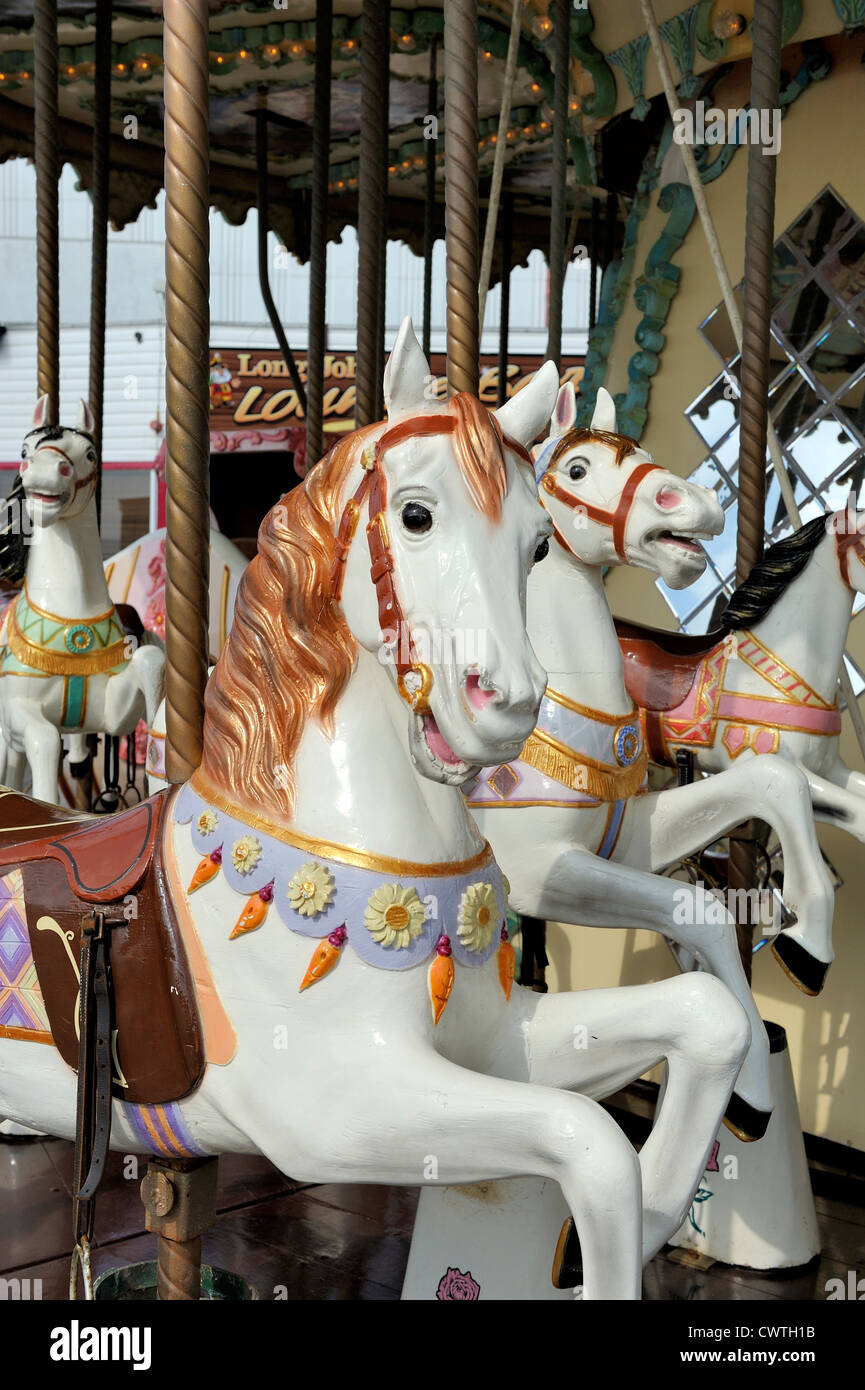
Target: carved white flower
478,916
310,889
245,853
394,915
207,822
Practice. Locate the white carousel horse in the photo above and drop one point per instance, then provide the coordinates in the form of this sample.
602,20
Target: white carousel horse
765,682
66,664
326,819
578,835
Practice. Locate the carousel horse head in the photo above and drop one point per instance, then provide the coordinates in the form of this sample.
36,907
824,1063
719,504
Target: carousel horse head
612,505
58,466
405,550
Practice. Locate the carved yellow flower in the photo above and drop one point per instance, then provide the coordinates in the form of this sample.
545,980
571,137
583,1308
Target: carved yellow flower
310,889
394,915
207,822
245,853
478,916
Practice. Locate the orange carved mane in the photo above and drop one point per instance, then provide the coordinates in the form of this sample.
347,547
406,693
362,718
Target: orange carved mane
290,654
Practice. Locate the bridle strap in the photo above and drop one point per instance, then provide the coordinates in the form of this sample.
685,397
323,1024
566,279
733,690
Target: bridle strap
617,520
844,543
373,489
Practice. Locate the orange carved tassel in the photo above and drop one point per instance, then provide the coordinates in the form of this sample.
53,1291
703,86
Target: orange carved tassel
441,978
506,958
255,911
208,867
324,957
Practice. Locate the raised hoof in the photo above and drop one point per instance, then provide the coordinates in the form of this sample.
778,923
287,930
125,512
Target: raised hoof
806,971
568,1259
745,1121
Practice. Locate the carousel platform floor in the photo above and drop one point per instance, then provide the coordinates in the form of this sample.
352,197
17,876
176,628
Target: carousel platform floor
346,1241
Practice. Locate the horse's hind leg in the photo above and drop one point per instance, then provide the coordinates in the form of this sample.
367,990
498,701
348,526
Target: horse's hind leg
417,1117
599,1040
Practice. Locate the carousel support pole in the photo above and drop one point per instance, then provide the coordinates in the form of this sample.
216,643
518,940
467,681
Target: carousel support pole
505,311
318,232
179,1197
593,262
558,177
429,212
499,161
461,194
381,356
370,200
756,323
187,437
99,240
263,208
47,233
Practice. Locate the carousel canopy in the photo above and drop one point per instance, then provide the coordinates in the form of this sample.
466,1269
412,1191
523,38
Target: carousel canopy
263,55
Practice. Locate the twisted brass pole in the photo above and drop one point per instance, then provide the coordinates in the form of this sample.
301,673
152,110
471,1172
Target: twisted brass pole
558,180
461,194
370,203
187,428
99,239
47,235
384,156
429,213
318,233
756,322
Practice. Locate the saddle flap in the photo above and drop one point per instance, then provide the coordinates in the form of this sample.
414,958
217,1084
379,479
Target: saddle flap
661,667
104,857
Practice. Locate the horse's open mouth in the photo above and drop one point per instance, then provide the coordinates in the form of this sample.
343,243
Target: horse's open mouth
45,498
682,542
438,747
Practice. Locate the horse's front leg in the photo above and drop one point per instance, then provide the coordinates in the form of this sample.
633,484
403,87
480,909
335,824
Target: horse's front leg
578,887
42,744
141,682
395,1113
667,826
599,1040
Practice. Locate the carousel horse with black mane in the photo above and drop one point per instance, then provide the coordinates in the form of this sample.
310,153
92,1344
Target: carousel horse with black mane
578,834
765,682
68,665
319,971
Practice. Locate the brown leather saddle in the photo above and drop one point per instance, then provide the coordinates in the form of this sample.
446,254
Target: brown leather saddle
74,868
661,667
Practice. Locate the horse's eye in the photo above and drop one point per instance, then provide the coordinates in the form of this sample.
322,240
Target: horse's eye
416,518
577,471
91,455
24,453
543,550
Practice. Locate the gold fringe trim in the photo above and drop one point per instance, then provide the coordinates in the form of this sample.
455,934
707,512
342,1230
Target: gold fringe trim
601,716
581,773
58,663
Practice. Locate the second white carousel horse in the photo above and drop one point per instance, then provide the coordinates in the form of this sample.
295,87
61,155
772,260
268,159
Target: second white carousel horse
766,682
66,663
340,909
571,821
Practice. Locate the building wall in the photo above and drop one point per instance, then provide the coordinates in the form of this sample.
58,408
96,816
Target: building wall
819,146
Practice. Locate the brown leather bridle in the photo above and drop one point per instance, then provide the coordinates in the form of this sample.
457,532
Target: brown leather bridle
843,546
617,520
373,489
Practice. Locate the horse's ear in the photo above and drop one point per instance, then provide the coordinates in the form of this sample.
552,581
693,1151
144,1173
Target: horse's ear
85,418
526,413
407,376
41,411
565,413
604,417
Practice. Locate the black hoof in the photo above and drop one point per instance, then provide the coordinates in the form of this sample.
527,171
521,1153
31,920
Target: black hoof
746,1122
568,1259
806,971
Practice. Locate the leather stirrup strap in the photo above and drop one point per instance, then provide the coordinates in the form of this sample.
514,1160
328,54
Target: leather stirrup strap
93,1118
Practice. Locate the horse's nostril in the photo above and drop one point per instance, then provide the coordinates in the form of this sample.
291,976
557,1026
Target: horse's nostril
668,498
477,695
65,470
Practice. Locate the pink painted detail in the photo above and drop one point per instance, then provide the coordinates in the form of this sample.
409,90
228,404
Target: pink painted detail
667,499
456,1287
215,855
266,893
437,743
443,946
765,741
338,936
476,695
735,739
712,1165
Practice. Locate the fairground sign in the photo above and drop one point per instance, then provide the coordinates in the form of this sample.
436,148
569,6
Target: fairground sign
251,388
